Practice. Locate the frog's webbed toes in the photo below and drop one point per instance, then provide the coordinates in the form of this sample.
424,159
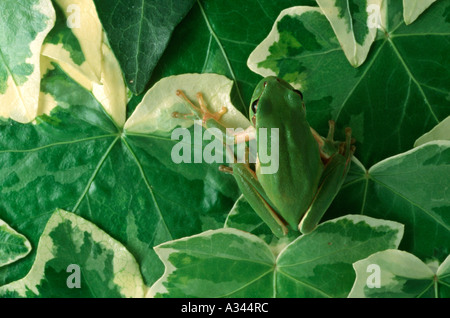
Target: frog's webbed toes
179,115
201,111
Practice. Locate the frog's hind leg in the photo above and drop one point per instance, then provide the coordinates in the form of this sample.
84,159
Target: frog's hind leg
253,192
333,177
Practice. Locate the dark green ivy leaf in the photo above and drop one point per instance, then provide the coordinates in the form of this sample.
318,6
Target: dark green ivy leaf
138,32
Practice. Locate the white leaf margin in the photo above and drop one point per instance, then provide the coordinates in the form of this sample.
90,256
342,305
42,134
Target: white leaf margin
394,263
356,53
439,132
164,253
127,273
100,73
261,52
26,243
412,9
275,250
21,103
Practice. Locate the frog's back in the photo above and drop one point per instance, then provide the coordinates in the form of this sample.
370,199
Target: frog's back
293,186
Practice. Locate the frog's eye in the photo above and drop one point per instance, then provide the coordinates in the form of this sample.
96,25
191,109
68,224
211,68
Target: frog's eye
255,105
299,93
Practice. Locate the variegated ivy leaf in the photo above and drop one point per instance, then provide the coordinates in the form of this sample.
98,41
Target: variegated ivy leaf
64,47
20,47
413,8
79,46
218,263
77,259
13,245
439,132
243,217
398,274
411,188
78,159
78,17
355,23
398,94
232,263
112,91
154,113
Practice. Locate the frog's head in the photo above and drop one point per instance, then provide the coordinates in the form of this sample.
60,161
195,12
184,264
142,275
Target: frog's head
274,97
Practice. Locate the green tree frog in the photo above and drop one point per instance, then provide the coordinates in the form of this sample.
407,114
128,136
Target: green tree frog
311,168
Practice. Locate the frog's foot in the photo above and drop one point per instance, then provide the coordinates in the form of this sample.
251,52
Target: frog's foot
202,111
206,113
245,135
347,148
328,146
183,115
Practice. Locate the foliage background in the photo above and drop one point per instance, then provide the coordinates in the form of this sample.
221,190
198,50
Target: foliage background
79,159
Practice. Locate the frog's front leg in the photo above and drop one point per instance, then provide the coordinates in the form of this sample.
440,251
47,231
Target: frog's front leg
212,120
209,119
333,176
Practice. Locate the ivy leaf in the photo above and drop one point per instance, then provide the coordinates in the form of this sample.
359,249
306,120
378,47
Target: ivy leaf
410,188
81,52
440,132
79,160
154,113
71,244
13,245
222,39
20,47
243,217
138,32
76,40
233,263
413,8
400,275
354,29
390,100
86,158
